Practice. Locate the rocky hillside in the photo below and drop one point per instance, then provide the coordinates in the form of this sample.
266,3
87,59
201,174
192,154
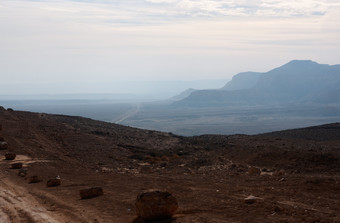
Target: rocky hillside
290,176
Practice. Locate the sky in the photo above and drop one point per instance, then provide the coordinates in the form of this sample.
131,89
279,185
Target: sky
101,46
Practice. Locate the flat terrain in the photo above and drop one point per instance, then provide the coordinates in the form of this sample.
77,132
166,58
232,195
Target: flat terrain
189,121
209,175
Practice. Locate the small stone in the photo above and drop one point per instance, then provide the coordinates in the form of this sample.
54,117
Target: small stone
16,165
250,199
53,182
34,179
279,173
163,164
22,172
3,145
277,209
91,192
10,156
254,171
145,169
156,205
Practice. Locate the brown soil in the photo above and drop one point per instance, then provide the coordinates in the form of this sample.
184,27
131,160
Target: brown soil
208,174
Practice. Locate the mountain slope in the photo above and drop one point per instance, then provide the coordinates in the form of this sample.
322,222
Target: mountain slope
294,82
242,81
183,94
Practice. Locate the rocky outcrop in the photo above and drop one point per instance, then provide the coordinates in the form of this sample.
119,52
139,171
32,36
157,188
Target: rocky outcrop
91,192
156,205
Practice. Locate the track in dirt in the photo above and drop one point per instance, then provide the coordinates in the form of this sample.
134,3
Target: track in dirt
18,205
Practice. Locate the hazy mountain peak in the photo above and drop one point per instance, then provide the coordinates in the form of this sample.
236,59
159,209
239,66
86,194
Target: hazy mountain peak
183,94
300,64
293,82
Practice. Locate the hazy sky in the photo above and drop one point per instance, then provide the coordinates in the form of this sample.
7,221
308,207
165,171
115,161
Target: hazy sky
98,46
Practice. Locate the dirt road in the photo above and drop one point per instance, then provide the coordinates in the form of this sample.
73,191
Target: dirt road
18,205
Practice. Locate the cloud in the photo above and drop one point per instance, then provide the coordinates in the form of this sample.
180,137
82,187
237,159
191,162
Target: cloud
161,39
266,8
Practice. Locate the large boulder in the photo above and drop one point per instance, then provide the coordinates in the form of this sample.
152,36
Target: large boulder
10,156
3,145
91,192
156,205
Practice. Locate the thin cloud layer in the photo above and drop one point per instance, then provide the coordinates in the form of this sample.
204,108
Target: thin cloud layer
151,10
88,41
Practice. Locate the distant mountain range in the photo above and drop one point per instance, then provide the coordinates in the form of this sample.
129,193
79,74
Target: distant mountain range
299,81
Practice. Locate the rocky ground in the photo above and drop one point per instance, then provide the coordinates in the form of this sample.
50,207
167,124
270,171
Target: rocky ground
287,176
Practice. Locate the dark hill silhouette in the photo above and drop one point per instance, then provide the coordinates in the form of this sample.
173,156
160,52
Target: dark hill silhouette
295,82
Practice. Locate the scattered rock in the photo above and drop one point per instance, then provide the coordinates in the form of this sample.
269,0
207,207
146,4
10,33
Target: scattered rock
3,145
165,158
10,156
34,179
251,199
16,165
279,173
283,179
277,209
163,164
156,205
53,182
91,192
145,169
22,172
254,171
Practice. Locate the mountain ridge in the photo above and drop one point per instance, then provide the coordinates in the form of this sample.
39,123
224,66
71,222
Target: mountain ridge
293,82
